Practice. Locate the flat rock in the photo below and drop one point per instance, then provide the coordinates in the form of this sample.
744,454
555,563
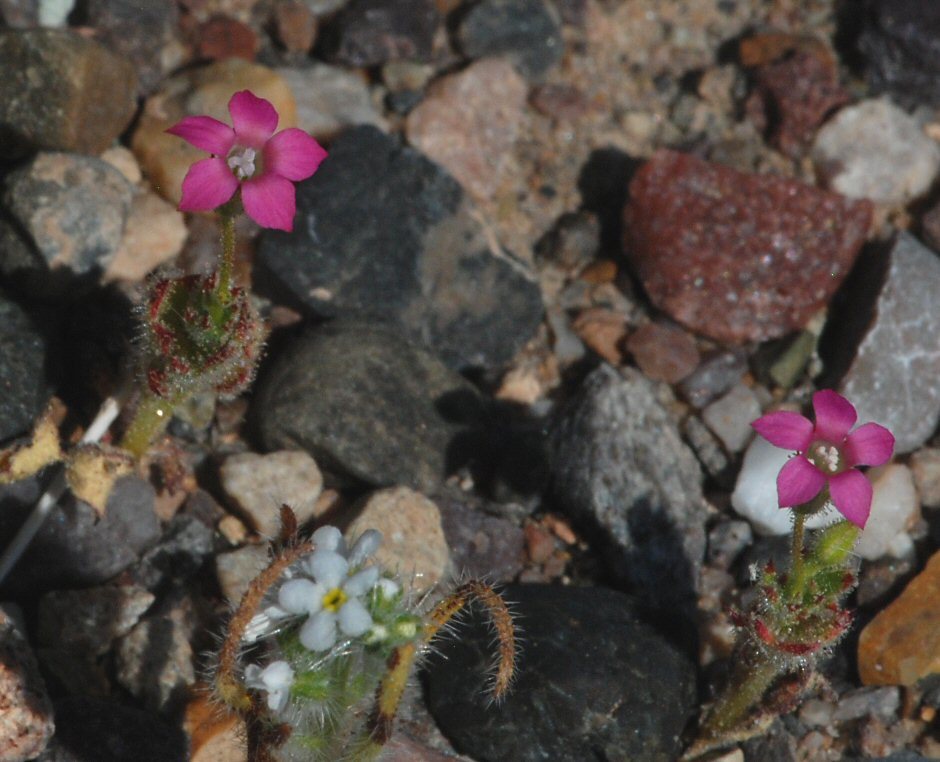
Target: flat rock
875,150
26,722
755,256
413,544
594,681
527,31
371,32
902,644
259,484
22,370
69,210
382,231
366,404
620,466
468,123
894,378
62,92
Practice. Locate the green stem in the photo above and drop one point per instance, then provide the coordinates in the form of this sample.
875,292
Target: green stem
795,581
227,262
150,418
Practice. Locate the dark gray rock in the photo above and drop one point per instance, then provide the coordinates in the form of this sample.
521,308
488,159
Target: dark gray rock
528,31
620,467
372,32
22,370
894,378
74,548
178,556
367,404
385,232
776,745
901,42
95,730
595,681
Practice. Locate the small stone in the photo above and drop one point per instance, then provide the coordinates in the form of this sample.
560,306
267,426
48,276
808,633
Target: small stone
894,508
755,493
925,467
572,243
166,159
371,32
154,234
877,702
880,581
816,713
714,376
62,92
618,463
22,370
88,621
603,331
726,541
237,569
178,556
296,25
155,661
528,31
124,162
221,37
214,737
83,240
582,646
902,644
26,722
894,378
755,257
706,446
663,352
260,484
730,416
561,102
330,99
468,123
873,149
413,544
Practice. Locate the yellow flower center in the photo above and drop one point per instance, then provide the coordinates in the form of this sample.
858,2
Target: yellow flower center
334,599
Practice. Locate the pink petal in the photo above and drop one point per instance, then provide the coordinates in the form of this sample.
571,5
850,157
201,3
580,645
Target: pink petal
208,184
791,431
869,445
835,416
798,482
254,119
206,133
851,493
293,154
269,201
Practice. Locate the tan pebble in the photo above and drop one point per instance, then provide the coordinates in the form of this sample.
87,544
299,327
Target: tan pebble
233,530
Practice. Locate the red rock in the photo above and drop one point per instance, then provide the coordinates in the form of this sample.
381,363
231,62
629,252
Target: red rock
738,257
663,352
222,37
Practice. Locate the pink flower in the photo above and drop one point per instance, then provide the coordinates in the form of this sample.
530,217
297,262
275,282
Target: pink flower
248,156
827,454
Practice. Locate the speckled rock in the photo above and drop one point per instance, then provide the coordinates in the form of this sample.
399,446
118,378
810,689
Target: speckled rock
22,377
873,149
26,722
70,211
413,544
528,31
62,92
259,484
894,378
756,255
153,235
595,681
469,121
902,644
618,464
441,276
730,416
371,32
367,404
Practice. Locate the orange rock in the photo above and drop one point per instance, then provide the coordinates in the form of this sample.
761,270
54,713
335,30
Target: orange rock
213,735
603,331
902,644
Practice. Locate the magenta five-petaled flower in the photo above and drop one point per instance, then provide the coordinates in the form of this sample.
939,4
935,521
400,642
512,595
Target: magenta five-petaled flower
248,156
827,454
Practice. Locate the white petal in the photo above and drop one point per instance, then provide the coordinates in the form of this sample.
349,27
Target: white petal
354,619
319,632
253,677
362,582
300,596
329,538
364,547
277,700
328,568
389,587
278,675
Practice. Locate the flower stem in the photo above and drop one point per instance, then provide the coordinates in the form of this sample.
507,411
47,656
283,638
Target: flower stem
150,417
795,582
227,262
